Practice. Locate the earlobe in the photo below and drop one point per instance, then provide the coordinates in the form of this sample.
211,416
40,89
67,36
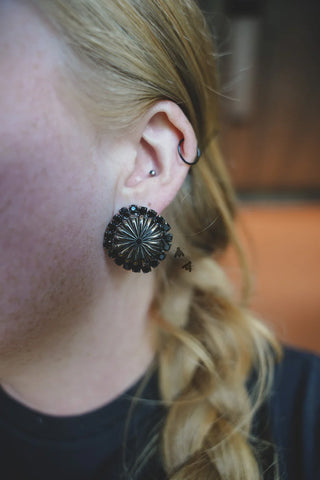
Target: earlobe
164,127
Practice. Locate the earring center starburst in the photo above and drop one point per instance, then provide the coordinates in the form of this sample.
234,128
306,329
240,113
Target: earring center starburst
137,238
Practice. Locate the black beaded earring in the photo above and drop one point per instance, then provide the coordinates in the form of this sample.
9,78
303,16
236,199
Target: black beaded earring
137,238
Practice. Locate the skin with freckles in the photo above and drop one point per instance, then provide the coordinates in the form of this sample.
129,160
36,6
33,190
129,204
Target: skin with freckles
68,316
49,190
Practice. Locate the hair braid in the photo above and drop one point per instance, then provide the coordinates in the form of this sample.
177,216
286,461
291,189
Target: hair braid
208,343
207,348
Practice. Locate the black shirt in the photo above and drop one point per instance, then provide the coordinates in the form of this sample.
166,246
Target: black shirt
295,415
35,446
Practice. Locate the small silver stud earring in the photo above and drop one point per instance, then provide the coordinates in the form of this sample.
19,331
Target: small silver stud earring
152,173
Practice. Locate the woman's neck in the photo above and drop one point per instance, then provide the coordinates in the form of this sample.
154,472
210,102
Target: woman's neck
91,358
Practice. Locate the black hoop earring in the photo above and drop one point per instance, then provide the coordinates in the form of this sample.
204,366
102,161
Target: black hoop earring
137,238
182,158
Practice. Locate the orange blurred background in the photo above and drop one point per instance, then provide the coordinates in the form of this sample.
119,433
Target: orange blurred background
269,69
283,243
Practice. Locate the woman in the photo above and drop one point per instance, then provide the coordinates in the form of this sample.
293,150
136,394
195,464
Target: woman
104,106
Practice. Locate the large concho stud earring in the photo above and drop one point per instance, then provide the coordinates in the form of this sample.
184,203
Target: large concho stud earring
137,238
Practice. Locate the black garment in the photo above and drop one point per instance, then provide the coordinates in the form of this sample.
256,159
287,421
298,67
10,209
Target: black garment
34,446
295,415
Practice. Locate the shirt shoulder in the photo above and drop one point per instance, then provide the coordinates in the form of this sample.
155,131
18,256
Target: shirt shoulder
295,414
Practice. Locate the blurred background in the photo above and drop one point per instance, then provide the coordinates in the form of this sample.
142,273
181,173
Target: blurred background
269,64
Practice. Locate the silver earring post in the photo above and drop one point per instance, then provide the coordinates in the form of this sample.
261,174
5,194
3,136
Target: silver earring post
152,173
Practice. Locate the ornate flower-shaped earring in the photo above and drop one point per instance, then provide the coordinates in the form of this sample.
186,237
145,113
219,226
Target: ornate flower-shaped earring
137,238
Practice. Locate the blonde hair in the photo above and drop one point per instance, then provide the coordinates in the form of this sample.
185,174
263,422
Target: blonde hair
125,55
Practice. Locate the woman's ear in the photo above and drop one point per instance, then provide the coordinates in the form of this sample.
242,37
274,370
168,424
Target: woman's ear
156,151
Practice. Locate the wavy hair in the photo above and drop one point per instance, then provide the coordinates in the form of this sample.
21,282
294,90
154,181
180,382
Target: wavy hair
124,55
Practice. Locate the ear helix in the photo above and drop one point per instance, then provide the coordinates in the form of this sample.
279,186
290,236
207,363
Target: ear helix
183,159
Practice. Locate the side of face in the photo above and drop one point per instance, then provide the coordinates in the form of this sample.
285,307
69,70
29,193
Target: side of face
60,186
55,194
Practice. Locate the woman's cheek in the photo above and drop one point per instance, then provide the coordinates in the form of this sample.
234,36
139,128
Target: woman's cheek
54,195
51,255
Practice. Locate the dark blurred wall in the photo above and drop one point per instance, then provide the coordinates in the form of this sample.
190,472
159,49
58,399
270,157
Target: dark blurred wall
270,72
